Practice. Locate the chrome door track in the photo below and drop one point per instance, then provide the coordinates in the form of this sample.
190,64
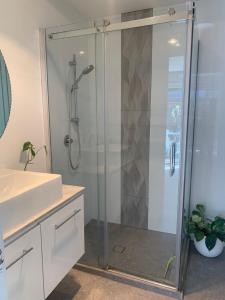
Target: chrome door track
135,281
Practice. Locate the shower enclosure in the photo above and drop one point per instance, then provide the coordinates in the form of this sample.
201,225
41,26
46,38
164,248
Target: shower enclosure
129,129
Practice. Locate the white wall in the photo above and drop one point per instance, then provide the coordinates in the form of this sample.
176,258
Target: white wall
19,42
208,180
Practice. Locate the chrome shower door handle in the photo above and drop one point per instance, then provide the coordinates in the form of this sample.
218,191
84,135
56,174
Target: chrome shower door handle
172,158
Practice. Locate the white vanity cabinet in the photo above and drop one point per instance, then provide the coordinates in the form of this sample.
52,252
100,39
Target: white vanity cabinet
62,242
39,259
23,260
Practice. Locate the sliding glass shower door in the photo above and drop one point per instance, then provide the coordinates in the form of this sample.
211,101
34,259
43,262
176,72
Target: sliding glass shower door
118,105
144,96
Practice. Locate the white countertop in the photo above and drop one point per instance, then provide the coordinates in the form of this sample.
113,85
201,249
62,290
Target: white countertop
69,193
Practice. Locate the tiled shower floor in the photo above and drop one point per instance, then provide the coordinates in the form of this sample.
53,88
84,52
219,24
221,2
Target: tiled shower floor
205,281
135,251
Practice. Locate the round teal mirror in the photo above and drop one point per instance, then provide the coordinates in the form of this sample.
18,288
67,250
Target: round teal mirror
5,95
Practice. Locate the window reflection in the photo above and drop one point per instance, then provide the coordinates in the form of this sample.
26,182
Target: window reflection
174,107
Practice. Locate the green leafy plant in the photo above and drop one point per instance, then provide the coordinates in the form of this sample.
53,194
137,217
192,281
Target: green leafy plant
31,152
169,264
202,227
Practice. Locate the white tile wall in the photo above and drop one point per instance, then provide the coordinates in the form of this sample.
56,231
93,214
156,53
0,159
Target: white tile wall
209,148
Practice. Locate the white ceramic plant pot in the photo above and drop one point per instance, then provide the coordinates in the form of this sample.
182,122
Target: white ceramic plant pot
203,250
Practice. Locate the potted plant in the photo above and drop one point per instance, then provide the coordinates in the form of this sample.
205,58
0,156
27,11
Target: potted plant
208,235
31,153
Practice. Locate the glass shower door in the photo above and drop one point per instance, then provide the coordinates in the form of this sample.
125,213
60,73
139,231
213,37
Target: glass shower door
130,112
144,95
73,113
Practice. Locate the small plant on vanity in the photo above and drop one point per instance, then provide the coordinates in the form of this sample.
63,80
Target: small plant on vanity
208,235
31,153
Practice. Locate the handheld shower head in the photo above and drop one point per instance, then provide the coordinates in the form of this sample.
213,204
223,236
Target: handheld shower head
88,69
85,71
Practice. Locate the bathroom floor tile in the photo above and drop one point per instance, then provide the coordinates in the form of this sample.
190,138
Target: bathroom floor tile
205,277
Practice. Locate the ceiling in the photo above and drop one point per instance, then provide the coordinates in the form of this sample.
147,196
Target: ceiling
98,8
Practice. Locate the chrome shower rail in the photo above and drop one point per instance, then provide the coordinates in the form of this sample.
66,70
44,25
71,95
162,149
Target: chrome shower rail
176,17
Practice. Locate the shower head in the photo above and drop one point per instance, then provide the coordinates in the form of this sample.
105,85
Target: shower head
85,71
88,69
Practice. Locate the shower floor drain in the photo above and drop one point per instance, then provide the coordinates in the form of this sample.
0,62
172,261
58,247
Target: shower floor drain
119,249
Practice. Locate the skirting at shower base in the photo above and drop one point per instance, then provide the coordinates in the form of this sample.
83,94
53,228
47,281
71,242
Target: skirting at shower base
139,252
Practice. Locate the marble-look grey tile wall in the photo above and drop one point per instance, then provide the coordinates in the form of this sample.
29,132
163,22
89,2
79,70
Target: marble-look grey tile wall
135,121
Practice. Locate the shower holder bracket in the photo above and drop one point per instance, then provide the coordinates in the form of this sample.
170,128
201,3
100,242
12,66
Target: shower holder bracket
75,120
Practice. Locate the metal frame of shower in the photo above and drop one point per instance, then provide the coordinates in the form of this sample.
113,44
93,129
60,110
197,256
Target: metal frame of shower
107,27
187,16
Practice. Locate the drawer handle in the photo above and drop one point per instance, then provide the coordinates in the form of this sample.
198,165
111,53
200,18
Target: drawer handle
25,252
65,221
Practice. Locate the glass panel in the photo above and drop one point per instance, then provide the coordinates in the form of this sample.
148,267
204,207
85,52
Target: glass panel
76,137
189,152
144,94
101,129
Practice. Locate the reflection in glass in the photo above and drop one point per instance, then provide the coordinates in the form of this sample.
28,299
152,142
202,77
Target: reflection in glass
174,109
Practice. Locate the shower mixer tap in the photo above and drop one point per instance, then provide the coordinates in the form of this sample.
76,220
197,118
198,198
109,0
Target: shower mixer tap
68,140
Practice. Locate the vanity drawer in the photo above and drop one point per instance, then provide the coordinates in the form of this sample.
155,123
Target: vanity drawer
62,242
23,260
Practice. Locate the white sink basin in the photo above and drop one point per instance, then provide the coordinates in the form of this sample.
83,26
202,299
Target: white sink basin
25,194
